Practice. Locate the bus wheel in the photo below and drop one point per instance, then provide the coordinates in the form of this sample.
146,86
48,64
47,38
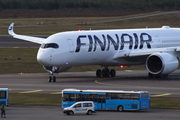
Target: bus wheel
71,112
120,108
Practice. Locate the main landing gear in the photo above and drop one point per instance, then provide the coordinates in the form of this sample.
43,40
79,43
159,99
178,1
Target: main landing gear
105,72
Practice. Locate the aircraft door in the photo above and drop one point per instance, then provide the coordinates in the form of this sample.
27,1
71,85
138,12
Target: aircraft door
71,46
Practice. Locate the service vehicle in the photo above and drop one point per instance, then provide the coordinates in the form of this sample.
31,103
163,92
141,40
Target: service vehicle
80,107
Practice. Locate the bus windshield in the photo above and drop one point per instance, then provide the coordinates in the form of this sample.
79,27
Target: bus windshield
108,99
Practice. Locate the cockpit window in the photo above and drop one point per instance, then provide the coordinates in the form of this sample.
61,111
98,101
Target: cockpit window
49,45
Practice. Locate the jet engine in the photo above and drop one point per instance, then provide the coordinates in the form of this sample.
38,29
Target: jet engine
161,63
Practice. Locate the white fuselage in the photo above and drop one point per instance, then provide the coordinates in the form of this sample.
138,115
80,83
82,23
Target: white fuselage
98,47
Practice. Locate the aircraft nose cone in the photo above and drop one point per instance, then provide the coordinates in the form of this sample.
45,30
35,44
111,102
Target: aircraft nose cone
43,59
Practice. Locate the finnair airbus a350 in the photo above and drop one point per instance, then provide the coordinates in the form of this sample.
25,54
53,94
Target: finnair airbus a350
157,48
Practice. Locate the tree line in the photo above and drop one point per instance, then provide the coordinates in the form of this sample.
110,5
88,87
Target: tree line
147,5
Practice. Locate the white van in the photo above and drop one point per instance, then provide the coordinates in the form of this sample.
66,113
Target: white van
80,107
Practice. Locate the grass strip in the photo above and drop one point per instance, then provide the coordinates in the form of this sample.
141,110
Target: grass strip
17,60
55,100
165,102
34,99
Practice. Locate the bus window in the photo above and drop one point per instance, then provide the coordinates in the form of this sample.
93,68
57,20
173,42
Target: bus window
73,97
93,97
2,94
120,96
65,97
126,96
134,96
102,98
111,96
144,95
85,97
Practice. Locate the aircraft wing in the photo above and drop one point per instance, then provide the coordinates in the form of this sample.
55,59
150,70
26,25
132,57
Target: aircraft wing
146,52
24,37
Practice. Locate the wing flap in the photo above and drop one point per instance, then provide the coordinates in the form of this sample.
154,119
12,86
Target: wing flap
24,37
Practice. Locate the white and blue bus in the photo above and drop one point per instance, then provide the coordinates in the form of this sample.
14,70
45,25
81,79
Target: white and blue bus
108,99
4,96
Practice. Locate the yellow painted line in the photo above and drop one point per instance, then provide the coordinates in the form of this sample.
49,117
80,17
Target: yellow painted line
99,82
31,91
96,81
57,93
10,89
128,70
161,95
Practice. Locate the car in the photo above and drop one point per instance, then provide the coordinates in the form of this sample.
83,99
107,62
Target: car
80,107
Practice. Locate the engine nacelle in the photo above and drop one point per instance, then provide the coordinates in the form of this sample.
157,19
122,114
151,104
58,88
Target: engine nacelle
161,63
55,69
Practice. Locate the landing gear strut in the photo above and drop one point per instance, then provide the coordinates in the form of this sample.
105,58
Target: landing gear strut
105,72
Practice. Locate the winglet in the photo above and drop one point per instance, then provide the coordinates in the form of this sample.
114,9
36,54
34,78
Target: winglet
10,30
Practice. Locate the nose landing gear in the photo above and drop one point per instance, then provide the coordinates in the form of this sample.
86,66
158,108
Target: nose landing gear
53,78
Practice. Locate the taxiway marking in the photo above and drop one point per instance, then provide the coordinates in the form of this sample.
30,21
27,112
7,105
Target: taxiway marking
31,91
57,93
98,82
161,95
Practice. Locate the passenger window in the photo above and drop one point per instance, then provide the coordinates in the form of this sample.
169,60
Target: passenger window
87,104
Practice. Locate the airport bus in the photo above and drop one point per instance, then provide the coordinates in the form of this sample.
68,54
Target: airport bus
108,99
4,96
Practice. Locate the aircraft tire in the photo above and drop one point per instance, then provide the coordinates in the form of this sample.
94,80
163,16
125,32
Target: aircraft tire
106,73
54,78
98,73
49,79
113,73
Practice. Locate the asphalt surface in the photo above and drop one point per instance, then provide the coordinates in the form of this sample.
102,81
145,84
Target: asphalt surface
124,80
55,113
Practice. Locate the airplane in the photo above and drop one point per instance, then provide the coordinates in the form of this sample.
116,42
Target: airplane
156,48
